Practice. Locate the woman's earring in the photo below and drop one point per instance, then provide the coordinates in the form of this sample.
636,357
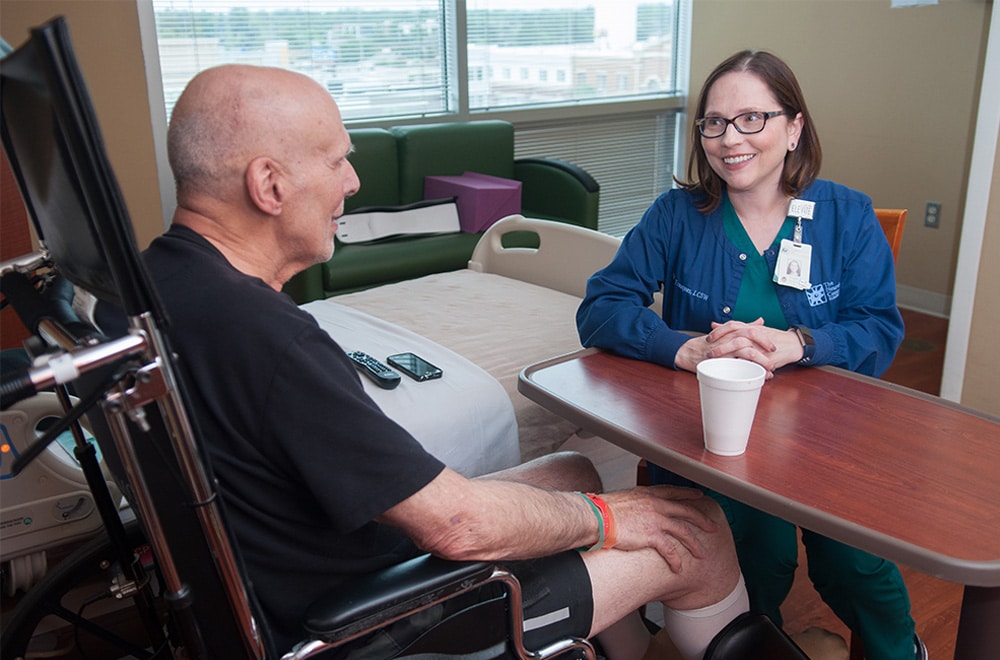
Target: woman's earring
791,147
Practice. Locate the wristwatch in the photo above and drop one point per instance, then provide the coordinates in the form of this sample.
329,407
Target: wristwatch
808,343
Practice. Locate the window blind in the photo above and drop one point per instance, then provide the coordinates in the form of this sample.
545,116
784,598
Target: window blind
631,158
379,58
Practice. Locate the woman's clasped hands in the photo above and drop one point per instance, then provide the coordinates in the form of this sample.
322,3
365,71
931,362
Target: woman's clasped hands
769,347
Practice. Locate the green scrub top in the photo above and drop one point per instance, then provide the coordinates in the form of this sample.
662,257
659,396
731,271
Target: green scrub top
757,298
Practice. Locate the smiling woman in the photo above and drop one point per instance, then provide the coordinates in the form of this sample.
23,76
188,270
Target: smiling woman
752,163
741,91
751,207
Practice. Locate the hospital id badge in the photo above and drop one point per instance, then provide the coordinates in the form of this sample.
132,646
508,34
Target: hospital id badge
792,268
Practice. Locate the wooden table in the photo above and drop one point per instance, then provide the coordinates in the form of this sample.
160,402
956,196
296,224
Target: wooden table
901,474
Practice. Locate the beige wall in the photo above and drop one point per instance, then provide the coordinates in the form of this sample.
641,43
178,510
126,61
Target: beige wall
892,92
981,385
105,36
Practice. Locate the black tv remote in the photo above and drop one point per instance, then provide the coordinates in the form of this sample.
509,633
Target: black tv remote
380,374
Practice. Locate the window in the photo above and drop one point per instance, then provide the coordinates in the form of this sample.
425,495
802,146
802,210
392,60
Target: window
574,35
381,58
402,61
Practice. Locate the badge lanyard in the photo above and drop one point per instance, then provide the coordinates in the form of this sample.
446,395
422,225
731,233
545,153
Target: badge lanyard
794,256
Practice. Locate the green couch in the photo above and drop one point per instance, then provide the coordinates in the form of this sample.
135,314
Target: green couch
392,164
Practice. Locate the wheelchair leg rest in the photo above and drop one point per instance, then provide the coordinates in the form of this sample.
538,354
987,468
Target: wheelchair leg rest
753,636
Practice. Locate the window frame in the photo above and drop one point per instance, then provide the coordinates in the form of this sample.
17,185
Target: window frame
455,16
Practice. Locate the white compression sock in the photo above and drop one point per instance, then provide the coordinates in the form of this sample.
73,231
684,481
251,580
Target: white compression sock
693,630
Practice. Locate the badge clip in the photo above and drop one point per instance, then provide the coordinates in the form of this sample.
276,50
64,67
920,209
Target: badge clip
794,258
799,209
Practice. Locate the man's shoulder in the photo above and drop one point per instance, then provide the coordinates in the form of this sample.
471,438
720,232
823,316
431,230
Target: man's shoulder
199,287
180,249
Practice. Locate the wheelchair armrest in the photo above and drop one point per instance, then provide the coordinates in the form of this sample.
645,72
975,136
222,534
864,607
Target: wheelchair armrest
53,301
366,602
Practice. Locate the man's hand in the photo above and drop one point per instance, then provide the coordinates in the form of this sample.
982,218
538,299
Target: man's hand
666,518
768,347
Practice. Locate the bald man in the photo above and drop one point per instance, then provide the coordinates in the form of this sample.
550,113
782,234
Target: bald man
320,485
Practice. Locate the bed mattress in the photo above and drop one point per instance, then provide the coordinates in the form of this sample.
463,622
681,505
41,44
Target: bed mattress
496,324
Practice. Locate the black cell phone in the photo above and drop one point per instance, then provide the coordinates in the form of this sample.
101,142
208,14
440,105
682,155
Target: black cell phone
414,366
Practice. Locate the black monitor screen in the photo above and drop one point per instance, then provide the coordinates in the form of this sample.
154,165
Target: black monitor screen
54,145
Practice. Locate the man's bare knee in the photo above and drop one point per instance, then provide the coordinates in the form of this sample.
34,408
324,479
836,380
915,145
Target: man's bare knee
713,510
564,470
719,570
573,471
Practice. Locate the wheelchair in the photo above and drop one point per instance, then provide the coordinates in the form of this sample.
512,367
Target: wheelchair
169,555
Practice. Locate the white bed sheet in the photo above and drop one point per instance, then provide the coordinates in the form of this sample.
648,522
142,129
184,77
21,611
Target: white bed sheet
465,418
499,323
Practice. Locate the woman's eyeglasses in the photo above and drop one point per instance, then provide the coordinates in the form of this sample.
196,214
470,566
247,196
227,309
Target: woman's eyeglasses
747,123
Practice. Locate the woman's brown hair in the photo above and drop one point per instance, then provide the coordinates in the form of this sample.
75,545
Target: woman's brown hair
801,165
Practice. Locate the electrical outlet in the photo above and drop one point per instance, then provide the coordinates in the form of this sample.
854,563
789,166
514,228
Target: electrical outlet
932,216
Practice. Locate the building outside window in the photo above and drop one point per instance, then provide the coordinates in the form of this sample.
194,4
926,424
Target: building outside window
601,82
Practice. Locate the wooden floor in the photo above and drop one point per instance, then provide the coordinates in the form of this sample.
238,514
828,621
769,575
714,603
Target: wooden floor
935,603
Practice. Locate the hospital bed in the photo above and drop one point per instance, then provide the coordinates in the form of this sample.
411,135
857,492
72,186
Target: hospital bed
483,324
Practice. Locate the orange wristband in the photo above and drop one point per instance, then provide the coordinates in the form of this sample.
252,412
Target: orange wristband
600,524
610,536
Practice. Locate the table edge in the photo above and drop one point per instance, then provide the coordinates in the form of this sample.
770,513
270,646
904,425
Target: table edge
985,573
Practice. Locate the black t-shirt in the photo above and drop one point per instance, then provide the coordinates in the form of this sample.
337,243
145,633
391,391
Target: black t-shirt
305,459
